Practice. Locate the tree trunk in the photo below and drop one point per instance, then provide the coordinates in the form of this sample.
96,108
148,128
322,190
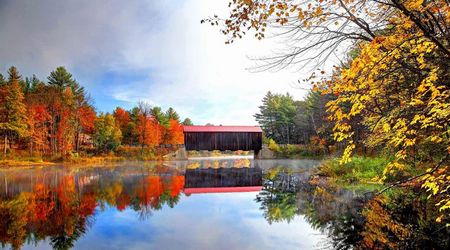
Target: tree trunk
4,145
287,129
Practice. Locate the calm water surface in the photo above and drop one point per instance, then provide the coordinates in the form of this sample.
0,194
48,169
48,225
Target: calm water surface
200,204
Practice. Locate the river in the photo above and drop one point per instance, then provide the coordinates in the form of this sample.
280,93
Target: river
198,204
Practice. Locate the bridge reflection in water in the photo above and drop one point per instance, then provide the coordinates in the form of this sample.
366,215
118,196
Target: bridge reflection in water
222,180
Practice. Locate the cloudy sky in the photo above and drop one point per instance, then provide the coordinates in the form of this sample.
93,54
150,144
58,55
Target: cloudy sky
155,51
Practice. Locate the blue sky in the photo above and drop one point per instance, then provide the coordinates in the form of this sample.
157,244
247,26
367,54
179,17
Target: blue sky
154,51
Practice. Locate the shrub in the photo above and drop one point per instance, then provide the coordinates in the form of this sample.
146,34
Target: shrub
272,145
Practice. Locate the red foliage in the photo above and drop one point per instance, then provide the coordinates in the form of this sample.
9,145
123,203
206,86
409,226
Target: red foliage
149,130
38,120
87,117
122,117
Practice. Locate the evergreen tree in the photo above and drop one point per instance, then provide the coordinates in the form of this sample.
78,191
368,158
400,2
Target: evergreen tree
171,114
276,116
157,113
13,117
2,80
62,79
31,84
187,122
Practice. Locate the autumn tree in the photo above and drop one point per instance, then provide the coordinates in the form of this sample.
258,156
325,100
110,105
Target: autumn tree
38,118
107,135
123,120
85,122
397,85
150,132
69,109
174,133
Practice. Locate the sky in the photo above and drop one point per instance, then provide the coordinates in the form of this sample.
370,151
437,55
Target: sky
154,51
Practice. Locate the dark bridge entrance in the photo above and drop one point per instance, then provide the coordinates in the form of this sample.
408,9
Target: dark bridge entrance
223,138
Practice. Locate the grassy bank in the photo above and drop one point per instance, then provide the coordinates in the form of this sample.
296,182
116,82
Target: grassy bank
21,158
361,170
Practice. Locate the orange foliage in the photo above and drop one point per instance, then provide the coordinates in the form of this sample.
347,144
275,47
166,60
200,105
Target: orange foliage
174,134
149,131
151,191
63,207
37,120
176,185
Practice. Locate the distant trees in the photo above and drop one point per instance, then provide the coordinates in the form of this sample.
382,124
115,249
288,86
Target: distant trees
276,116
56,117
187,122
286,120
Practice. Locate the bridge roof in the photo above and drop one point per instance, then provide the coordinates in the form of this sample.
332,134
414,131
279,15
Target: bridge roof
255,129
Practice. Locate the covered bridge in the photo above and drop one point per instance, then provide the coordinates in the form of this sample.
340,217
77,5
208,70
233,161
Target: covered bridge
223,138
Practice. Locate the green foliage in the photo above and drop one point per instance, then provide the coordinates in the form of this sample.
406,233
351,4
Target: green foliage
13,110
276,116
107,135
2,80
278,195
137,153
360,169
187,122
171,114
62,79
297,122
160,116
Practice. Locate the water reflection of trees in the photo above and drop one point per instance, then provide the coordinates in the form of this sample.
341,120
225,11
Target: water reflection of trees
61,206
278,195
352,220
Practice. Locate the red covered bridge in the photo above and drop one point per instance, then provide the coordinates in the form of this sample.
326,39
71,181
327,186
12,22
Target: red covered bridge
223,138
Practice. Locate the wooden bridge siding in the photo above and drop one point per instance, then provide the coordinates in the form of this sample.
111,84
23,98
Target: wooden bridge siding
223,141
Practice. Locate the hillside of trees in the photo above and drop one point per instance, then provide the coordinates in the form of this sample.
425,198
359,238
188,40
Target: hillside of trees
56,118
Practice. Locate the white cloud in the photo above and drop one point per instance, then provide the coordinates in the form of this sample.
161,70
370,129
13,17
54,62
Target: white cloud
184,64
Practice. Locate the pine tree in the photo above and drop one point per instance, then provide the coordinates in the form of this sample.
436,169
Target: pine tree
13,122
187,122
62,79
159,115
171,114
2,80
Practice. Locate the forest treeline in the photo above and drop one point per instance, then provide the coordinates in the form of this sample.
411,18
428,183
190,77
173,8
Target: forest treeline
289,121
303,126
56,117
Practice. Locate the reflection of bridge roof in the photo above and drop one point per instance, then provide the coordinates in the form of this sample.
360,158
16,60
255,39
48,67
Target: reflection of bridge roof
189,191
199,129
